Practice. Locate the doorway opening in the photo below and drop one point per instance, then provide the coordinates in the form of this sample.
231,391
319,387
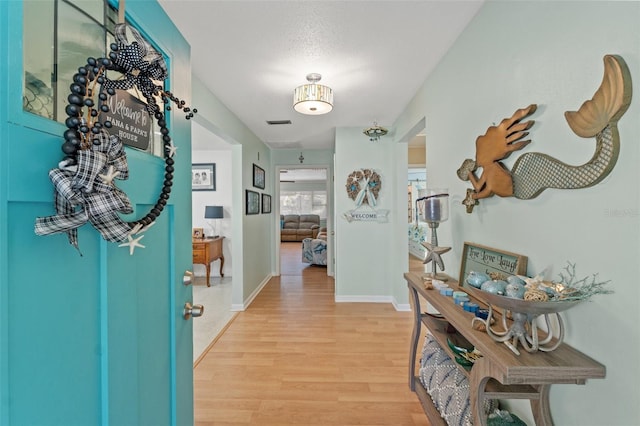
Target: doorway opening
304,191
416,182
212,153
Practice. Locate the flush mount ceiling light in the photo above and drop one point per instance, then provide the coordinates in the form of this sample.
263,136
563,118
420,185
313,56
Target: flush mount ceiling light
374,132
313,98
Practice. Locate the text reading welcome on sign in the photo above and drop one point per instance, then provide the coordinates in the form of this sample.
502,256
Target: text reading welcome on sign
130,120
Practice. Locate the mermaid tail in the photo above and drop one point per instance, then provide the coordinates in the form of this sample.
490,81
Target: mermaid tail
533,172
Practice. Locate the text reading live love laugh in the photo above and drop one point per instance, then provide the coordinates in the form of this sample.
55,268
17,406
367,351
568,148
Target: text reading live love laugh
493,260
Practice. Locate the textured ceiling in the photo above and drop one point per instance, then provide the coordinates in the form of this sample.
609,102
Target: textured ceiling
374,54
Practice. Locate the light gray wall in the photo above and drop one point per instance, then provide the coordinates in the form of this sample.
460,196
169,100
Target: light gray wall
368,264
549,53
252,234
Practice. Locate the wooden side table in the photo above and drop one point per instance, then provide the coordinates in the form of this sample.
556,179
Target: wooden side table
208,250
499,374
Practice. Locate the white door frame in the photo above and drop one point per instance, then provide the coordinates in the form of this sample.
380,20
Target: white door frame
330,215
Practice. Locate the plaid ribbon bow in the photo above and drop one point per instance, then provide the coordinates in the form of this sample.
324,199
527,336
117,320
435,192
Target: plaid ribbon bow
83,195
140,64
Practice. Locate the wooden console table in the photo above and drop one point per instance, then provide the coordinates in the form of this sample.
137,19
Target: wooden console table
499,374
208,250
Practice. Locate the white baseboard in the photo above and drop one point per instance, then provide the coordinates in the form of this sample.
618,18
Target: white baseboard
401,307
252,296
404,307
363,299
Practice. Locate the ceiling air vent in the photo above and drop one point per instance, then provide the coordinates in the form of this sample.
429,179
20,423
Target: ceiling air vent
278,122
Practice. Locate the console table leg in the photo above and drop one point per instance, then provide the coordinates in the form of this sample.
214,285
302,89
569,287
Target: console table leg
480,375
415,336
540,407
221,265
208,267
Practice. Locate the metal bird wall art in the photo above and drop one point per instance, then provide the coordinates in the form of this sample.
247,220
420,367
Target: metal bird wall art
534,172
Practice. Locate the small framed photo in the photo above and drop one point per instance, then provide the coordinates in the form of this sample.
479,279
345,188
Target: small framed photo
266,203
258,176
252,202
198,233
203,177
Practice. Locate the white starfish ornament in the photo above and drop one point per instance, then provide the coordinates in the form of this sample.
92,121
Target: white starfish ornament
132,243
171,148
110,175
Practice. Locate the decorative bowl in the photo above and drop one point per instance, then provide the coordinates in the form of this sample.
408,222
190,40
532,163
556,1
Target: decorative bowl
528,307
524,330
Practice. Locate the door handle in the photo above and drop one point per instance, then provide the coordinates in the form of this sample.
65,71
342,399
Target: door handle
194,311
187,278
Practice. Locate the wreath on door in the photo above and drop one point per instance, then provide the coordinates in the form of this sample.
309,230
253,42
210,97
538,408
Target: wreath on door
85,191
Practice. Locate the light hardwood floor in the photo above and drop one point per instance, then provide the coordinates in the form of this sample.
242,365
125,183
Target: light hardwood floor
295,357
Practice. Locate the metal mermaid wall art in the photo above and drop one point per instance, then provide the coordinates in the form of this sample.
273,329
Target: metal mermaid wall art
534,172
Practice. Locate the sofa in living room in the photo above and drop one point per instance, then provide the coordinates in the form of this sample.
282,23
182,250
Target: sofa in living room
294,227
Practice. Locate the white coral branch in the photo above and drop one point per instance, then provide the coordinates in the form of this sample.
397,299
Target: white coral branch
581,289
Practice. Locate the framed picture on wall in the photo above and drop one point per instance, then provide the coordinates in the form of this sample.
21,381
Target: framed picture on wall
258,176
252,202
266,203
203,177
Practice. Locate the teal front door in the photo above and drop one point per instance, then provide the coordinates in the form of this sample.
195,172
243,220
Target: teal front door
94,336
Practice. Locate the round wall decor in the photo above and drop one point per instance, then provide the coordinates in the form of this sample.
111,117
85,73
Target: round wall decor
363,186
84,179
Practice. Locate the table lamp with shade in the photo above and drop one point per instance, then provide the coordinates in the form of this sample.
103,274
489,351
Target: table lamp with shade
435,210
213,213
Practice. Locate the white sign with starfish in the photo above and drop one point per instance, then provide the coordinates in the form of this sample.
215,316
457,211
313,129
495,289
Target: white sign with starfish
364,215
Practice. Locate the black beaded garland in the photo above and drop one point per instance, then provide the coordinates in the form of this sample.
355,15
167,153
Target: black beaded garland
71,110
70,134
71,122
69,148
75,99
81,127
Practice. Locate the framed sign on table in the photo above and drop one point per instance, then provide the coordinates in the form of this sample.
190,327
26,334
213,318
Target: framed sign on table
198,233
491,261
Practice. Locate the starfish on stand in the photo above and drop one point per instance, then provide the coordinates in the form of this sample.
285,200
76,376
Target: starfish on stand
434,254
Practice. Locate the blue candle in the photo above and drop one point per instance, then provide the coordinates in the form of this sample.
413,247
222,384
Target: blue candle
432,210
